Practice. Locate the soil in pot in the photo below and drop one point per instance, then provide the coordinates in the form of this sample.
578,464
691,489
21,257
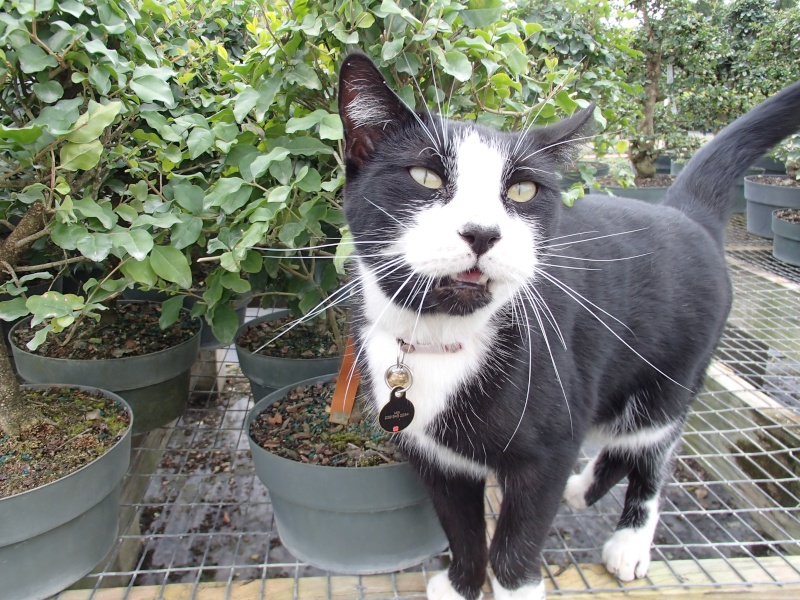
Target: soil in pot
659,180
297,427
306,340
130,329
782,181
790,216
78,426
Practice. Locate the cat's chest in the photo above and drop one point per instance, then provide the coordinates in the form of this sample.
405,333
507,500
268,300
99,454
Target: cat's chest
439,375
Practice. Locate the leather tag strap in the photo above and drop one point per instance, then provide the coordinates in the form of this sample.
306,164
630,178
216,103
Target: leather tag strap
344,394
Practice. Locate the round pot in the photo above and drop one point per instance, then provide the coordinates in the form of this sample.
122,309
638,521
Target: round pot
569,178
208,341
676,166
155,385
786,240
663,164
348,520
651,195
770,165
53,535
737,199
270,373
762,200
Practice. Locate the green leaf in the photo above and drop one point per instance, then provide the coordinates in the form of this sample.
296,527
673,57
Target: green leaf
90,209
221,190
170,311
11,310
140,271
252,262
393,49
289,232
279,194
95,246
186,233
245,102
330,128
344,249
564,102
137,242
53,304
260,164
39,338
457,64
48,92
305,146
93,122
33,59
306,122
233,281
482,13
225,323
189,197
310,181
152,85
23,135
304,76
171,265
80,157
199,141
66,235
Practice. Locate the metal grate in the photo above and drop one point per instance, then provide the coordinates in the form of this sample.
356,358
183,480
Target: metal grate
203,526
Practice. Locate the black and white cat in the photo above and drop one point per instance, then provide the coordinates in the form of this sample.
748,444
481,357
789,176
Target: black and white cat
529,326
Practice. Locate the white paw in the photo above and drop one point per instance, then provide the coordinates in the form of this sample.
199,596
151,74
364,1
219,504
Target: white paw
627,553
575,492
533,591
440,588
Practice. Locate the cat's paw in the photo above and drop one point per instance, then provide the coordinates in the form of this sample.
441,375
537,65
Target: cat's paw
440,588
534,591
627,553
575,492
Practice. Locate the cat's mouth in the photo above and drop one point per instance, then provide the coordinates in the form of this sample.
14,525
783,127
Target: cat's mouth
466,280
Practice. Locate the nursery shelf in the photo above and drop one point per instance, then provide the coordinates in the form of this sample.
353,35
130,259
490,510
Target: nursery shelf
197,523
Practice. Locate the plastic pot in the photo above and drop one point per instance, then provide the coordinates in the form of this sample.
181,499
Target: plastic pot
786,240
53,535
360,520
270,373
763,199
155,385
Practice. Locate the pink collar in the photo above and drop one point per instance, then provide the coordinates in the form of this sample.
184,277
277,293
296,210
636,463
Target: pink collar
431,348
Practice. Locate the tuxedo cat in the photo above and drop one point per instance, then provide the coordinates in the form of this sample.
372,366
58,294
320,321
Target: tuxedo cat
527,325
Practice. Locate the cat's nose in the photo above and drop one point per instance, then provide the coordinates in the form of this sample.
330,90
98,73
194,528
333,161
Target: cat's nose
479,237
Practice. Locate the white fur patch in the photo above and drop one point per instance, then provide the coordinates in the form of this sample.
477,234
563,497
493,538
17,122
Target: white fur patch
578,485
534,591
432,246
631,442
440,588
627,552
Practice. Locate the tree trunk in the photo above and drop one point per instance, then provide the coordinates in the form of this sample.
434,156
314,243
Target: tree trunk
643,150
15,415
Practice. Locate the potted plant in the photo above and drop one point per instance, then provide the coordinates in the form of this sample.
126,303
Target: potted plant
65,451
767,193
786,232
343,498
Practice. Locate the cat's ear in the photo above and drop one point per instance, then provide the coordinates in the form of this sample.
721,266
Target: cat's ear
563,139
368,107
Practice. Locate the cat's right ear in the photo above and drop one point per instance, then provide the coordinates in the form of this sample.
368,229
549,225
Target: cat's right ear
367,106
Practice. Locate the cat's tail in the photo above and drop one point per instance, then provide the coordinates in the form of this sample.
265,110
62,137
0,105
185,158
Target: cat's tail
702,190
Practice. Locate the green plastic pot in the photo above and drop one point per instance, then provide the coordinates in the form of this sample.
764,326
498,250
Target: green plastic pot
356,521
786,240
53,535
763,199
155,385
269,373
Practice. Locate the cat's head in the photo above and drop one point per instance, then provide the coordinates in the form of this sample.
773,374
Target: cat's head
446,215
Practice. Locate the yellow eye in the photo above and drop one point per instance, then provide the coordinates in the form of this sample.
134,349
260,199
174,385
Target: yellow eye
426,177
522,191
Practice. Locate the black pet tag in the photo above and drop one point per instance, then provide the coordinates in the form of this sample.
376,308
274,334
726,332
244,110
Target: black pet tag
398,413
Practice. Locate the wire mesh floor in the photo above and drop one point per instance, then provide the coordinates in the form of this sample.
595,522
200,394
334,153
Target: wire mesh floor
203,528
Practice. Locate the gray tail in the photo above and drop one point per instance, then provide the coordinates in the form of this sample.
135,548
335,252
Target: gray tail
702,190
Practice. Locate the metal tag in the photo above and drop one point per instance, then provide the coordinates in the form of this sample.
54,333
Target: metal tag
398,413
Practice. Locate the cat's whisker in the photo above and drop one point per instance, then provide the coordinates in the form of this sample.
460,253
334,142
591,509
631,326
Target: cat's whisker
416,116
596,259
544,264
574,295
535,296
570,141
561,237
599,237
392,217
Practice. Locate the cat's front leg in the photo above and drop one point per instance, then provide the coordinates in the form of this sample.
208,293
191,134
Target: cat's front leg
531,494
458,500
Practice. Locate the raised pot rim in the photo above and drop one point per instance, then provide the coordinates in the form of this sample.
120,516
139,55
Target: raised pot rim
112,396
120,360
277,314
262,403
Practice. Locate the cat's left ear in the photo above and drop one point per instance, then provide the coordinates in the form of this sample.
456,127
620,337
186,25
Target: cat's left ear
368,107
563,139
